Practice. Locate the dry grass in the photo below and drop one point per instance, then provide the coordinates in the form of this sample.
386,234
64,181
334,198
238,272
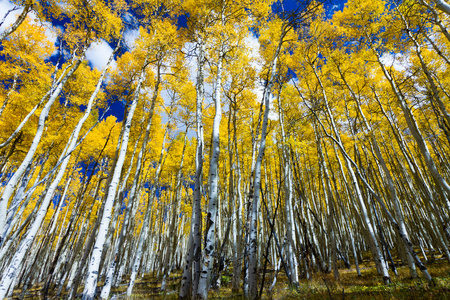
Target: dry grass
370,285
321,286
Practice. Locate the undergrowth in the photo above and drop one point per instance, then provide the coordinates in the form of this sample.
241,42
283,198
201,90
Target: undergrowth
320,286
323,286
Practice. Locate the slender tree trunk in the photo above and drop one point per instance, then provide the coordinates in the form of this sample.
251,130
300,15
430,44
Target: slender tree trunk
252,243
442,5
188,287
12,183
237,262
17,22
119,243
91,281
209,251
288,195
412,125
20,254
143,235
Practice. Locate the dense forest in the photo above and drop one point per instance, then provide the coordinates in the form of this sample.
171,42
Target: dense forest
257,139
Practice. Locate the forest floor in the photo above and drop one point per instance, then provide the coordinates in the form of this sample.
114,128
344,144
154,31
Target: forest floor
321,286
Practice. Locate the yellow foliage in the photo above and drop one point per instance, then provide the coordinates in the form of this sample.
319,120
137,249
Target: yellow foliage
103,138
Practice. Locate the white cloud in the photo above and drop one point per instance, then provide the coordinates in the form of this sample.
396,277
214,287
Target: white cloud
98,55
130,37
273,114
394,60
259,92
253,45
50,33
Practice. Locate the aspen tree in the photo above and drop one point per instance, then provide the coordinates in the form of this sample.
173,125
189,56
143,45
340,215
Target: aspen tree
252,266
231,25
78,46
7,193
145,225
161,56
288,193
193,247
283,28
91,281
9,277
390,182
205,276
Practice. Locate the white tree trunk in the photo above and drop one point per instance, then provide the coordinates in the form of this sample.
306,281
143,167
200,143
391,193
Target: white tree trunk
442,5
12,183
288,191
252,261
143,235
11,274
194,243
91,281
132,195
16,23
412,125
208,258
